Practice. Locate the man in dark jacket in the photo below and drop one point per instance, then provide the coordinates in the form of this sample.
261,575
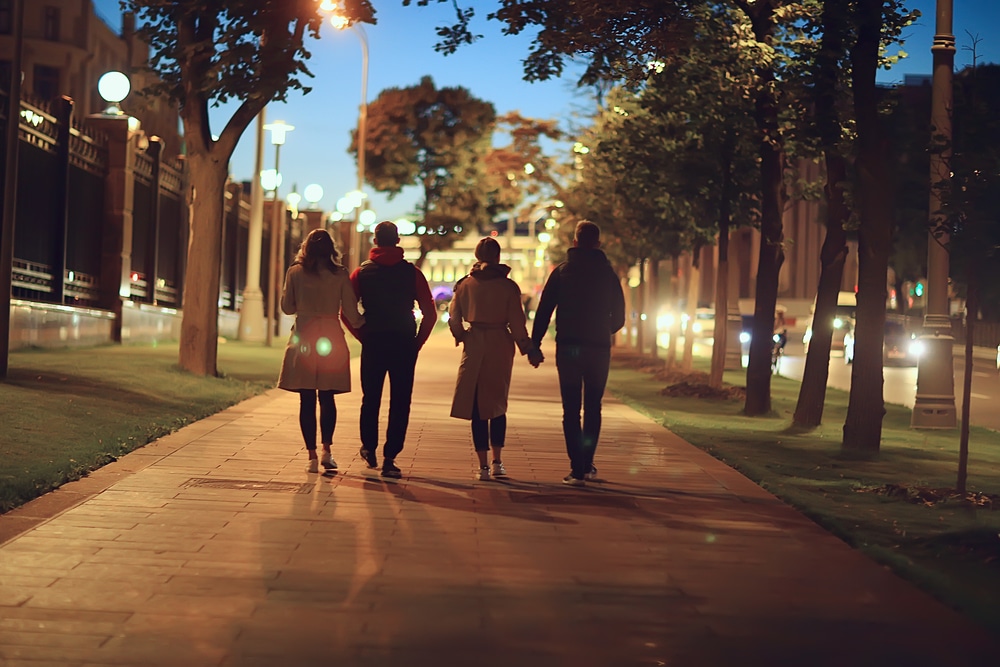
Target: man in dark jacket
590,307
387,286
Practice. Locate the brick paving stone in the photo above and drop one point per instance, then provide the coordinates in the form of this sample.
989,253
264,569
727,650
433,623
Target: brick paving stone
213,546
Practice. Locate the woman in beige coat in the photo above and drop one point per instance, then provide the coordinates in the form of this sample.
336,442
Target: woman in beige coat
317,362
490,303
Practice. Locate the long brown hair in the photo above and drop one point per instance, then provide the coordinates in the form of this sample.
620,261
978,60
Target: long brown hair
318,251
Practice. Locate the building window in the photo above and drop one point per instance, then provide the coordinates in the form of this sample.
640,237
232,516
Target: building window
46,82
52,24
5,18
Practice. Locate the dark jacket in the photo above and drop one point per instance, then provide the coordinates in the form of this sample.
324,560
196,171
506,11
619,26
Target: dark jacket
387,287
587,296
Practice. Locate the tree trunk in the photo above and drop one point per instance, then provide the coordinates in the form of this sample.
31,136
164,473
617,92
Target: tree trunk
691,307
971,312
812,393
720,334
640,325
200,319
866,407
653,305
772,186
675,309
625,336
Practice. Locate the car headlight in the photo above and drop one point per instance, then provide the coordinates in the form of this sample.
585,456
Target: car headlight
665,321
696,327
917,348
745,337
838,323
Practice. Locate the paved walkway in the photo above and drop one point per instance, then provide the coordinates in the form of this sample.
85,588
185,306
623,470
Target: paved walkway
212,546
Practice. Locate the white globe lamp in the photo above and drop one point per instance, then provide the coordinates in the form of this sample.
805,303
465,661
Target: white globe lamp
313,193
113,88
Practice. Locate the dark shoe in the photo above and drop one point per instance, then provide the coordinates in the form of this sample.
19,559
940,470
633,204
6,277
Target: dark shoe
592,474
570,480
389,469
369,457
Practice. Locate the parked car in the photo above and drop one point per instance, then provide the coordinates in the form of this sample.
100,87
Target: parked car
900,345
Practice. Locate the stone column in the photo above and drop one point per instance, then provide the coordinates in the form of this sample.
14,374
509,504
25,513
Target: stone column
253,326
119,195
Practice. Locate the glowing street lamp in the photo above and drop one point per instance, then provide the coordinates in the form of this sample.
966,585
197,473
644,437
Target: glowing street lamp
113,88
340,22
313,194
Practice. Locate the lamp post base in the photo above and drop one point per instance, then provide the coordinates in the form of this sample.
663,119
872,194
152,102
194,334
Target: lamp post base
934,406
253,325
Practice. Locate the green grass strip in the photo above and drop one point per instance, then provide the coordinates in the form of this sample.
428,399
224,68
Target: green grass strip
949,548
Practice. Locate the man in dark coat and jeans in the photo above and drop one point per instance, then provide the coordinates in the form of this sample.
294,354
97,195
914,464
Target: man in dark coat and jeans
590,308
387,287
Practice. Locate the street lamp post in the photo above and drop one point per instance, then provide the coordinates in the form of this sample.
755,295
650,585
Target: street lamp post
252,309
356,235
934,405
279,129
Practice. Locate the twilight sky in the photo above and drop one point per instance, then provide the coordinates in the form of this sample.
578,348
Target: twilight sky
401,51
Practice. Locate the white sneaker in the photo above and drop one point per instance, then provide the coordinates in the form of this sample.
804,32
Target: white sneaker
313,465
569,480
498,470
327,461
592,474
484,474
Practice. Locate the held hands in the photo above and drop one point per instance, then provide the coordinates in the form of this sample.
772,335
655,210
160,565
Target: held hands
535,357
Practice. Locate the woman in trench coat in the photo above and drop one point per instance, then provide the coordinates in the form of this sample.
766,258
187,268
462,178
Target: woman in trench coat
490,304
317,362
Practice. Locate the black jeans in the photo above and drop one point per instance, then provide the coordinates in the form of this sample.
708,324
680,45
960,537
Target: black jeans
307,416
394,355
487,432
583,371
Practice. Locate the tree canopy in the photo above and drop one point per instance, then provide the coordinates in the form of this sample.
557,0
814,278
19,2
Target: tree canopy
206,52
435,139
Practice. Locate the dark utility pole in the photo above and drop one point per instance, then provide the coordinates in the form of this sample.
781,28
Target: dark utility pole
10,182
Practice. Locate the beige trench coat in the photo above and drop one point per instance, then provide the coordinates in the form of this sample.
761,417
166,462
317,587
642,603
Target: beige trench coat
316,356
491,307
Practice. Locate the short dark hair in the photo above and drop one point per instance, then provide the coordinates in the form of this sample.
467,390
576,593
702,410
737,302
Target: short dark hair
587,235
488,250
386,234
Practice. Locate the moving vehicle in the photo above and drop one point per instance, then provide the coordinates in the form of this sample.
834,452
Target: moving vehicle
900,346
843,320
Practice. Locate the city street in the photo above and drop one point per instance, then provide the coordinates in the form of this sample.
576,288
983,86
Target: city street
901,382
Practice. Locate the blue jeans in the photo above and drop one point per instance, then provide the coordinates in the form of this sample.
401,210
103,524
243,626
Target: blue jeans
396,356
583,372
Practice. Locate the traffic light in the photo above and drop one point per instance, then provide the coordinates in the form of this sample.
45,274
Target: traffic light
918,289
